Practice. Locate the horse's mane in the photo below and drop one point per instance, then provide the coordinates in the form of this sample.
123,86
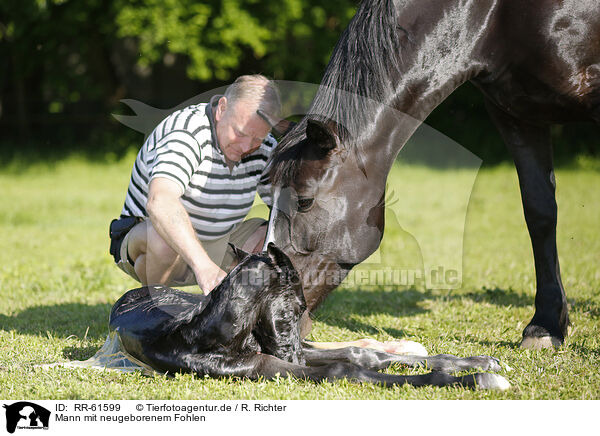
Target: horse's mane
361,73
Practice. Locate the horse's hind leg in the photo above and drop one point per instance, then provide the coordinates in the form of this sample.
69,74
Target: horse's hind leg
376,360
531,149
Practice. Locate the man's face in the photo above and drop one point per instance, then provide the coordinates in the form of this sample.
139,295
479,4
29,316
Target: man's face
240,130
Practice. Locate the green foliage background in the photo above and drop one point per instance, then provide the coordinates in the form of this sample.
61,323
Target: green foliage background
66,64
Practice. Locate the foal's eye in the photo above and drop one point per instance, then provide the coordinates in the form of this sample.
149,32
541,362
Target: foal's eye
304,204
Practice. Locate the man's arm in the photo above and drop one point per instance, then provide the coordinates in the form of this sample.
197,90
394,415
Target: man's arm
172,223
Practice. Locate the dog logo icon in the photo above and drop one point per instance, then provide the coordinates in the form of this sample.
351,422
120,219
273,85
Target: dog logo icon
26,415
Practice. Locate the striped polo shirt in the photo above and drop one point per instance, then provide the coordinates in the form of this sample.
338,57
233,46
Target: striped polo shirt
184,148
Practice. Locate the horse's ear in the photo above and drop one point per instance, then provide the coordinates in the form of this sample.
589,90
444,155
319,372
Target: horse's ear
280,126
283,127
239,253
321,134
279,258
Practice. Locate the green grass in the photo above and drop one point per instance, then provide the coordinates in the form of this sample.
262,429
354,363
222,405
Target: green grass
57,284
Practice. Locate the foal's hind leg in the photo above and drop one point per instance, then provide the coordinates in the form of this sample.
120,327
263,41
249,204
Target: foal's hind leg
531,149
376,360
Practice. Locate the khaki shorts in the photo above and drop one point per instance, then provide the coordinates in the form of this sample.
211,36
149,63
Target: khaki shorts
218,250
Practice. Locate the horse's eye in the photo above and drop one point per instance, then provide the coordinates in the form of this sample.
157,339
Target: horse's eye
304,204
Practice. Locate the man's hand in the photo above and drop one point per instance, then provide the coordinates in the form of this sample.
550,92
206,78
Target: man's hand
209,276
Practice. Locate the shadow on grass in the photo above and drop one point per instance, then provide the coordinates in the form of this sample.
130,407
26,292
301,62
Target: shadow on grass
343,308
586,306
584,351
60,320
497,297
502,344
341,305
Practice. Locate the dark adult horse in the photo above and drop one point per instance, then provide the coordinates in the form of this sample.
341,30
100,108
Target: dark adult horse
537,62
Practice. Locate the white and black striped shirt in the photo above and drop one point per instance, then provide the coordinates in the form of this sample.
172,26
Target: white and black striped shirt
183,148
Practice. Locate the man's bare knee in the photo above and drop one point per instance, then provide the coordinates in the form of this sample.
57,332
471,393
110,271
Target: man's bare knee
158,248
137,240
155,262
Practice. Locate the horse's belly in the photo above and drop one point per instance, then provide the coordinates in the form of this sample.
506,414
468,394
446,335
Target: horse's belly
526,98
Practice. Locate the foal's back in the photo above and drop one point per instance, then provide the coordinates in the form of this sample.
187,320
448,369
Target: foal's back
144,315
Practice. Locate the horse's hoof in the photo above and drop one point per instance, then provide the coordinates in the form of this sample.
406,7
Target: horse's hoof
491,381
541,342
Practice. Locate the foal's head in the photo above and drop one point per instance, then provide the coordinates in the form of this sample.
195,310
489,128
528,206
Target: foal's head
264,292
264,272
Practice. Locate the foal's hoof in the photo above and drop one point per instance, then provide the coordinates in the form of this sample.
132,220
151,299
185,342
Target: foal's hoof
541,342
406,347
400,346
491,381
486,363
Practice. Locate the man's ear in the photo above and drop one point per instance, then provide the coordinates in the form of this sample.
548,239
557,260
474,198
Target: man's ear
221,108
239,253
320,134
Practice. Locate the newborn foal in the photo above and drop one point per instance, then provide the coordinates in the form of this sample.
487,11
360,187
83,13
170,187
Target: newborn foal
249,327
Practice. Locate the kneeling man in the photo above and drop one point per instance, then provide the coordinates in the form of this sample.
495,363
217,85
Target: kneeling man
193,183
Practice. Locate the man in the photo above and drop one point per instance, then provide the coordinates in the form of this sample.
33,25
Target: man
192,185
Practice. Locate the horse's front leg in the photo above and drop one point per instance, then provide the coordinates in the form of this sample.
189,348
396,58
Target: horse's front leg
531,149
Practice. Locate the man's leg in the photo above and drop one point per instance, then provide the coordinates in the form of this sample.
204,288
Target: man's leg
154,260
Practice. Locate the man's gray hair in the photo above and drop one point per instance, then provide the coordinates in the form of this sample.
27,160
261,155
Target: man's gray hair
256,88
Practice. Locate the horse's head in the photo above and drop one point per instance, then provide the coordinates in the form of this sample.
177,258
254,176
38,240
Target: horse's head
328,208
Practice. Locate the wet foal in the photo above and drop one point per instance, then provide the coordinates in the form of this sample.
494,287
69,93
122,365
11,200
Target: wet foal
249,327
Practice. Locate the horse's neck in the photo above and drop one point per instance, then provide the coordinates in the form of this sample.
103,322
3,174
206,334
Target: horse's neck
443,49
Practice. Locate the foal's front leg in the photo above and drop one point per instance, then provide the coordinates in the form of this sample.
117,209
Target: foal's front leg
398,346
376,360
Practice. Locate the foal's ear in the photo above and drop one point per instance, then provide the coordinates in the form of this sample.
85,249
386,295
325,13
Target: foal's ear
279,258
321,134
239,253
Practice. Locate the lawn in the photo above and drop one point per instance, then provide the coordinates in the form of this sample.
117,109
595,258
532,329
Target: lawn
58,284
